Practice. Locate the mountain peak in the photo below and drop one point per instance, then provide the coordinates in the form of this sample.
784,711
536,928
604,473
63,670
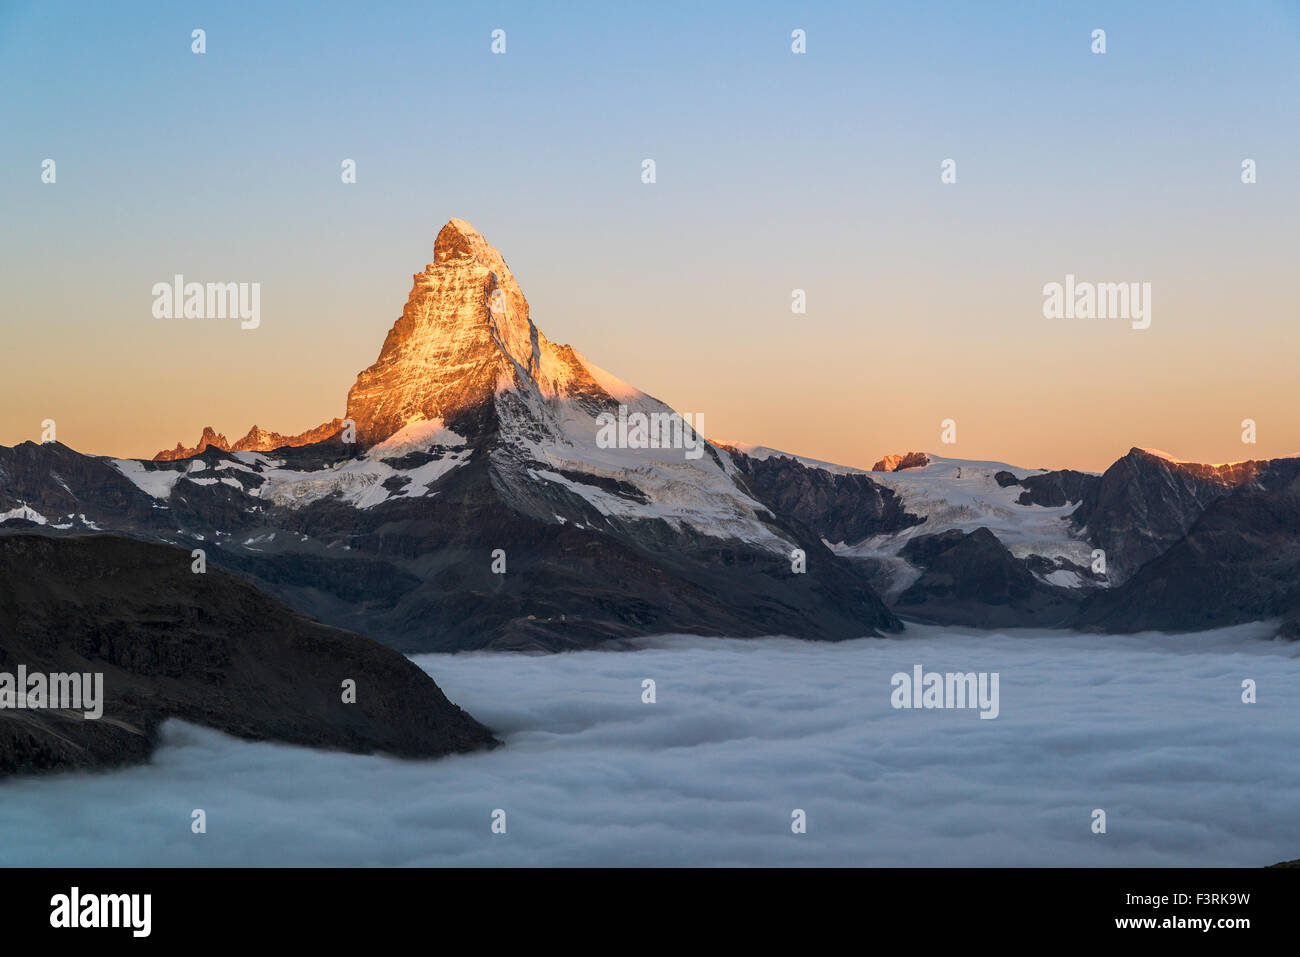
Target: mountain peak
463,353
459,240
463,338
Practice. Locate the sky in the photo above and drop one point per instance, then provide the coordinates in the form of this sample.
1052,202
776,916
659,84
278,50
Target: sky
775,171
1149,729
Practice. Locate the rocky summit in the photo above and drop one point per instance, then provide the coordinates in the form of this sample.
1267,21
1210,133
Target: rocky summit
463,339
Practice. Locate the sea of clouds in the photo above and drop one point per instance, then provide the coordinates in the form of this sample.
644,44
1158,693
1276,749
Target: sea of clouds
1149,728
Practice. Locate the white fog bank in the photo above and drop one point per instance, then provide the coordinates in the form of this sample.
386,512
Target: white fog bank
1152,729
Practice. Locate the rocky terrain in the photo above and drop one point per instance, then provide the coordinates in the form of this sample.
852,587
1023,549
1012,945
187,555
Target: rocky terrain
1239,561
207,648
1152,543
1146,502
970,576
833,506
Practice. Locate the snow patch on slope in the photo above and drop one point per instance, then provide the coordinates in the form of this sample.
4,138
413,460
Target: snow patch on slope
359,482
695,493
963,495
611,383
417,435
157,483
22,512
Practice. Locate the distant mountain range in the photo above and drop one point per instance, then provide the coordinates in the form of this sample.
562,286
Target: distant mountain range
477,493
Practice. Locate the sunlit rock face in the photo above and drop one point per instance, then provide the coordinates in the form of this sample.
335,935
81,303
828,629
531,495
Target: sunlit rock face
257,440
210,437
464,338
896,463
260,440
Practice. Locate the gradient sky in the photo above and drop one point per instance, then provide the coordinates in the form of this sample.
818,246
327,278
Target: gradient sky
775,172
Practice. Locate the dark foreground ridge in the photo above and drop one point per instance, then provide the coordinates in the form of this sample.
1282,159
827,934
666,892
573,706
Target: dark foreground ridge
207,648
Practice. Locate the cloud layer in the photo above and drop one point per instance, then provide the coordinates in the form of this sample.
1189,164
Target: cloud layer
1150,728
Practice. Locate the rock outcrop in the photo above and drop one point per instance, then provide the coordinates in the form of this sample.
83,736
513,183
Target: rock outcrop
1051,489
973,578
896,463
836,507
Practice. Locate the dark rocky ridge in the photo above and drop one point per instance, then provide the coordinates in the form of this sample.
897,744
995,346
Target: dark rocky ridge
415,572
1144,503
207,648
973,578
43,476
1239,562
835,507
1051,489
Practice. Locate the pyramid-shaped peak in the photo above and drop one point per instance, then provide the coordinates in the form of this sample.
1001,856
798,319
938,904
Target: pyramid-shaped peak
459,240
464,339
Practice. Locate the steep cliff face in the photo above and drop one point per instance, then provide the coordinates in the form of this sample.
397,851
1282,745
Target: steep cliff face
464,338
837,507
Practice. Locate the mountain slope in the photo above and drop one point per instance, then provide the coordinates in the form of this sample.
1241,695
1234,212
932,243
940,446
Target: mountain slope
1239,562
978,543
1145,502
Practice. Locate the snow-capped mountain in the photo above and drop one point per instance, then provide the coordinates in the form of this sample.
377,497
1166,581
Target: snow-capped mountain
991,544
487,487
501,490
465,345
